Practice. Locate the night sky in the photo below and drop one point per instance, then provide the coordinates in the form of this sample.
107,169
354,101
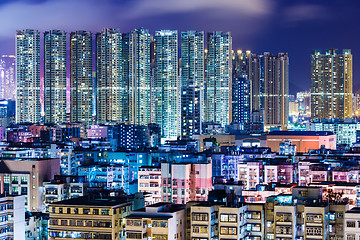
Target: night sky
296,27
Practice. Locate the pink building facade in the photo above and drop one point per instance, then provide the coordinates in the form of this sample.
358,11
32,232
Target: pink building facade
320,173
251,174
350,176
203,181
19,136
181,187
149,180
304,173
271,173
182,183
36,130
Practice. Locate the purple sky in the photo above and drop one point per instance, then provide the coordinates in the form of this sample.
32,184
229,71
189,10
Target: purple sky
296,27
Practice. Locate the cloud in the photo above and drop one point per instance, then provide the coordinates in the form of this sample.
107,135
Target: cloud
51,14
92,14
156,7
305,12
246,19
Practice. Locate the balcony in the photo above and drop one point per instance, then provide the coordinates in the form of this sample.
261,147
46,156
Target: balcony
51,191
76,190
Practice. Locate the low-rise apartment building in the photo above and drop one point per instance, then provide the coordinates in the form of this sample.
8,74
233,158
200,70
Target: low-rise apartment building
89,217
12,217
160,221
352,224
150,181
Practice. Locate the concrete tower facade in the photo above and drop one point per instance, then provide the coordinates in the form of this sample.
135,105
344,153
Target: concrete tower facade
55,76
7,77
112,88
28,107
276,90
139,77
218,78
193,82
167,84
331,84
81,78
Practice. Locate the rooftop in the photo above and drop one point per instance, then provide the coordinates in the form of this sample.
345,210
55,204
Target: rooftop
301,133
155,167
334,183
5,169
354,210
167,207
153,216
29,159
94,201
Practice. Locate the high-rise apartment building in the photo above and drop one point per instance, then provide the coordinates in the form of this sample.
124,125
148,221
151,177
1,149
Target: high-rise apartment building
167,84
241,101
241,88
28,107
125,66
218,76
112,88
331,84
55,76
356,104
257,82
139,77
7,77
152,80
304,102
242,64
192,82
266,79
192,59
190,111
276,89
81,78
